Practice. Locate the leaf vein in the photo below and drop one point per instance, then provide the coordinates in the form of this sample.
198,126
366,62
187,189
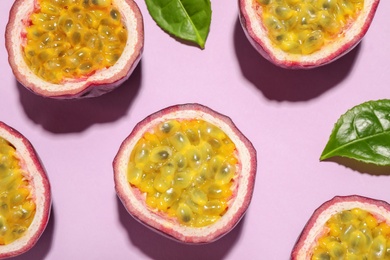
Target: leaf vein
376,116
362,139
191,22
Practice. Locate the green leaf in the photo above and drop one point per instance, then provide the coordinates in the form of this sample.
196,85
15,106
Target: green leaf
362,133
186,19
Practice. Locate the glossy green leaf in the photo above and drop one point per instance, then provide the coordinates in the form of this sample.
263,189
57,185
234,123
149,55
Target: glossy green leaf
362,133
185,19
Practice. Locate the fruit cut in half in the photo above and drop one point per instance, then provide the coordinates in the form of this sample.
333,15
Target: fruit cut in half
187,172
74,48
304,33
346,227
25,198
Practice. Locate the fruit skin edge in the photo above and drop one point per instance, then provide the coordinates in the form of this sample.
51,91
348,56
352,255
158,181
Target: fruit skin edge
314,227
304,63
136,210
85,88
21,142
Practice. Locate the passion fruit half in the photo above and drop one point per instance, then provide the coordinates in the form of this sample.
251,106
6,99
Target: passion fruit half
74,48
25,198
187,172
346,227
305,33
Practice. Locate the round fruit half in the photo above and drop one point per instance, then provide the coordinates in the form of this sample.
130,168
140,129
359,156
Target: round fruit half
187,172
25,198
74,48
305,34
346,227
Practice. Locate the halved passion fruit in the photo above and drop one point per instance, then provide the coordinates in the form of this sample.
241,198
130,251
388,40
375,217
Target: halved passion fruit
187,172
346,227
305,33
25,198
74,48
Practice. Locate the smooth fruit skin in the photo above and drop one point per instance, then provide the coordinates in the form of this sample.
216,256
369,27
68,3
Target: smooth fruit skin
257,36
134,202
41,190
95,85
314,227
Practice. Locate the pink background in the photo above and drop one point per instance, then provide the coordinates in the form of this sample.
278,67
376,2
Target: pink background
288,115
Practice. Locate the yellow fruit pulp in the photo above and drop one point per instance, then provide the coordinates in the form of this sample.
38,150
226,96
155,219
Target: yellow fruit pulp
187,169
354,234
305,26
70,39
17,209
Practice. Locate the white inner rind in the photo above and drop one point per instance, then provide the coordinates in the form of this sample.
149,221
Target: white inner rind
179,231
101,76
344,42
318,229
39,194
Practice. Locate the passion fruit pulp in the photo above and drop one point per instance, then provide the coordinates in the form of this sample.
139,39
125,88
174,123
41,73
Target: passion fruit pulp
74,48
346,227
25,198
305,34
187,172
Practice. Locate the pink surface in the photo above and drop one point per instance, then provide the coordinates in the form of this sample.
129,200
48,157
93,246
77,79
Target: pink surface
288,115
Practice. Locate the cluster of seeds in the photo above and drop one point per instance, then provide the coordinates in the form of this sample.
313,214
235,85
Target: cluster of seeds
17,209
304,26
354,234
69,39
186,168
